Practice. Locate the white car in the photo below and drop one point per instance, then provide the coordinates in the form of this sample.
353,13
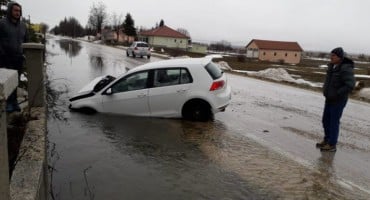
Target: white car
192,88
139,48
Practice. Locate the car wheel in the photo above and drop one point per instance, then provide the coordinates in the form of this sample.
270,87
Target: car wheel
197,111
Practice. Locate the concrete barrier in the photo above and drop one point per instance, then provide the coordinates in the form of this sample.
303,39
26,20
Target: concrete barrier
8,82
30,176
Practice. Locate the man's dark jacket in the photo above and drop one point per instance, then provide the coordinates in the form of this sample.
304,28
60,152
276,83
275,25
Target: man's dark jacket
339,81
12,35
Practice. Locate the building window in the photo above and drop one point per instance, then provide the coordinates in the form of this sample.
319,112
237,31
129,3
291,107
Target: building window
295,55
264,53
274,53
286,54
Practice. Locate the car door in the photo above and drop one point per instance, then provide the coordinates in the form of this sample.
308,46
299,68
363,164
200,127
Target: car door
128,96
169,91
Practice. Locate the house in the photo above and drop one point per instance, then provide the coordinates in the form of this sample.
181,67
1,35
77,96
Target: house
198,48
165,36
110,36
274,51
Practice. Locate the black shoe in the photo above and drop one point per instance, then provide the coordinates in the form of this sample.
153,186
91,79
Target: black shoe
328,147
321,144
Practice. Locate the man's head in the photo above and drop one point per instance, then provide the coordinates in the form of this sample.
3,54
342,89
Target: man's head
336,55
14,11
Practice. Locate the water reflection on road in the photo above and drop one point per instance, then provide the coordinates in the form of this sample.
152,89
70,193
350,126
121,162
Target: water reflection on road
117,157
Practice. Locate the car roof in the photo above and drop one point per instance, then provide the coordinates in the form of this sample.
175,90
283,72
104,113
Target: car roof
176,62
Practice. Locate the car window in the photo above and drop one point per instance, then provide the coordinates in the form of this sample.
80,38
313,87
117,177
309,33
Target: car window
185,77
166,77
213,70
132,82
142,45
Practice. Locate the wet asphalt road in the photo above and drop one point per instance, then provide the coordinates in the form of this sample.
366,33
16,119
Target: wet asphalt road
260,148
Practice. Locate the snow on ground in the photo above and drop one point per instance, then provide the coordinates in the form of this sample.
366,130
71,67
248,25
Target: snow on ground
362,76
224,65
364,93
279,74
316,58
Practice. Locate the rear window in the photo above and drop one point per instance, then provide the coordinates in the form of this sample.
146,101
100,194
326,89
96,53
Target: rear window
142,45
214,70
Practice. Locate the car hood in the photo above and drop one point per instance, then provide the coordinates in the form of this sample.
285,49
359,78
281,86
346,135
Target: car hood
94,86
90,86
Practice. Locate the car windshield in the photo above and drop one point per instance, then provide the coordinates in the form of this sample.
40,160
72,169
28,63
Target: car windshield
214,70
142,45
102,83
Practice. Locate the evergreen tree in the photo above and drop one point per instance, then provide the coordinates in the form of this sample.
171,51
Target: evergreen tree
161,23
129,26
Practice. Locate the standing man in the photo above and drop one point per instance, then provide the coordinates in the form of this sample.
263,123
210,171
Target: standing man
339,82
13,33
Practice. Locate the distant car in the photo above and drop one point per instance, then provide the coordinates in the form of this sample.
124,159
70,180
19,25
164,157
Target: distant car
139,49
192,88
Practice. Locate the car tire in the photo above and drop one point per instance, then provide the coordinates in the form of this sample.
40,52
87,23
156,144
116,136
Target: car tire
197,111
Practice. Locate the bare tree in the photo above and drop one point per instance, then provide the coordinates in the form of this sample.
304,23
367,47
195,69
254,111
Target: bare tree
98,16
184,31
116,23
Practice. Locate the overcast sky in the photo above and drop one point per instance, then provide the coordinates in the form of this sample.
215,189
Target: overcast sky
314,24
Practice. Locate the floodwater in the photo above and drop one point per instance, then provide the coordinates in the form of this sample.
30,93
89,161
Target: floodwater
119,157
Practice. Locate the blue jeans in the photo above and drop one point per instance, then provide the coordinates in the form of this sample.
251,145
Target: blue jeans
331,120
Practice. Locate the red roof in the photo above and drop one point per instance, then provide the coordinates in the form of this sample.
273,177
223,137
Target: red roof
163,31
276,45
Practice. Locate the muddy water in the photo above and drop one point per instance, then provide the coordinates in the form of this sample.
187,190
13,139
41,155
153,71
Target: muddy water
114,157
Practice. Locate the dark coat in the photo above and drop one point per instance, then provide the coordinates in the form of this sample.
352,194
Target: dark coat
12,35
339,81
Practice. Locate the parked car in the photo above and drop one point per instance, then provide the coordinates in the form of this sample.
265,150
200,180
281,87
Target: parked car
192,88
139,49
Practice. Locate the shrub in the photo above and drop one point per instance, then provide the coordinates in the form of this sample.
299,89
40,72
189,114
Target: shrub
241,58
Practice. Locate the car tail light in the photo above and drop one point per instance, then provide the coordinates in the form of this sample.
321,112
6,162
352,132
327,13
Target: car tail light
135,48
217,85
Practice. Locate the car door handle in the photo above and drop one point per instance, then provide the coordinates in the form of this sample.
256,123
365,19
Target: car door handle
141,95
181,90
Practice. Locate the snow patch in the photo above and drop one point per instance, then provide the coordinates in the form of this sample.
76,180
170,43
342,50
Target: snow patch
362,76
279,74
224,65
364,93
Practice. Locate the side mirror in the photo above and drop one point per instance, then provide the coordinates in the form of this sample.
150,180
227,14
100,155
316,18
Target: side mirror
109,91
